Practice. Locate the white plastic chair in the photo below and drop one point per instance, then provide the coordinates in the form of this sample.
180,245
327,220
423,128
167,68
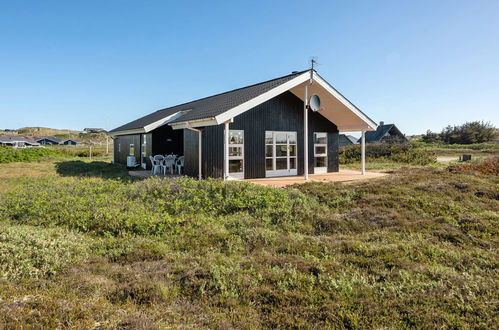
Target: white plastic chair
157,164
169,163
180,164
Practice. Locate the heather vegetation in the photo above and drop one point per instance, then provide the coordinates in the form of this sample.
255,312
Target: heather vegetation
415,249
388,152
13,155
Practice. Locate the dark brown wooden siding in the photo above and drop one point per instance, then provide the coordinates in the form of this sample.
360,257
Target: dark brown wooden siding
122,148
282,113
167,141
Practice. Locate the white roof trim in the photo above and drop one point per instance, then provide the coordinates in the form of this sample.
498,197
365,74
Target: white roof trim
248,105
231,113
194,123
347,103
151,126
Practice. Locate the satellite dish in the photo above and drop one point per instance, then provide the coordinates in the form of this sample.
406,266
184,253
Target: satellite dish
315,102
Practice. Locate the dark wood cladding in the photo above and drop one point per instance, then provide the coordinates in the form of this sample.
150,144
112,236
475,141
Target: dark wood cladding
282,113
212,157
167,141
122,148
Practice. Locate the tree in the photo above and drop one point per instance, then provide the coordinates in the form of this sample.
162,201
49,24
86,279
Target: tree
468,133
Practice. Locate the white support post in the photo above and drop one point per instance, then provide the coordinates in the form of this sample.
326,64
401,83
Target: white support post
226,151
305,135
363,152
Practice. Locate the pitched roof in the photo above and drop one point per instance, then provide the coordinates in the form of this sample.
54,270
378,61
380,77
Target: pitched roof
51,138
12,139
211,106
379,133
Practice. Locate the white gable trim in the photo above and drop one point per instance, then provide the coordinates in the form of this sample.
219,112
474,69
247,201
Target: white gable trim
248,105
342,99
231,113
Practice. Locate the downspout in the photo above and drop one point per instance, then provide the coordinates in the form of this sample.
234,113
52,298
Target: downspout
200,148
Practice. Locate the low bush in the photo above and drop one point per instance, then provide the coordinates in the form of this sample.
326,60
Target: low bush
148,207
399,153
33,252
488,166
12,155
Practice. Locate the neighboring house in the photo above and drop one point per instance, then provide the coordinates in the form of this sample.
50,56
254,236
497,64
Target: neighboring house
48,140
70,142
388,133
347,140
251,132
94,130
17,142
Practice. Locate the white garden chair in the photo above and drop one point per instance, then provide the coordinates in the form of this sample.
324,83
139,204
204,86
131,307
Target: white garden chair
180,164
169,163
157,164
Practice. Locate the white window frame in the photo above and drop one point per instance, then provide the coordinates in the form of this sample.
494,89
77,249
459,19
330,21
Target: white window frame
284,172
236,175
320,170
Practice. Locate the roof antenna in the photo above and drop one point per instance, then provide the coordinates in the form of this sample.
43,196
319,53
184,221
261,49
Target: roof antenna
313,62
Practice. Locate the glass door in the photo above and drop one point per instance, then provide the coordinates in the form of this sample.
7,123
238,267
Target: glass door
280,153
236,154
320,153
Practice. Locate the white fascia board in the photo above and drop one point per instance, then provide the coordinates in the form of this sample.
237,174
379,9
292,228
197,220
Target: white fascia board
194,123
371,124
163,121
223,117
126,132
355,128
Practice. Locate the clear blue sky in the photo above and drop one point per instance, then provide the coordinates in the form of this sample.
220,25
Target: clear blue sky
76,64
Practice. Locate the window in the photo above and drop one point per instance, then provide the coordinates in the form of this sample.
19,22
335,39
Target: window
320,152
132,150
236,153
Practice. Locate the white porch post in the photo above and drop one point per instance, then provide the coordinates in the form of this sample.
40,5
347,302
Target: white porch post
226,151
363,152
305,135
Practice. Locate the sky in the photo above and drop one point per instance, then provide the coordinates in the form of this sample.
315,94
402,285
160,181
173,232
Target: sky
75,64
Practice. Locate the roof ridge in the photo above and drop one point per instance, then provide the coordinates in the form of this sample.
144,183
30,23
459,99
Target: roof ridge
233,90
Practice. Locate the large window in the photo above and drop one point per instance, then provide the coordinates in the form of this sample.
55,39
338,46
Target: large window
236,153
320,152
280,153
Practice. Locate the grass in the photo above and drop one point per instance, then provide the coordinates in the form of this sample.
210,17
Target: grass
416,249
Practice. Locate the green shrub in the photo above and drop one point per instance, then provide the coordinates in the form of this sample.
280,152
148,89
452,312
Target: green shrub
399,153
149,207
33,252
11,155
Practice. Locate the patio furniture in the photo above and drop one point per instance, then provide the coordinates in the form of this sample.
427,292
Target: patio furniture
180,164
169,163
157,163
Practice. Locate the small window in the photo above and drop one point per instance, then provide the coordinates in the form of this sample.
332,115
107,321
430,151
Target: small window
132,150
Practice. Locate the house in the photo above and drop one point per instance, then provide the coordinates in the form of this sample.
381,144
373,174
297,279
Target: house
70,142
252,132
17,142
48,140
347,140
386,133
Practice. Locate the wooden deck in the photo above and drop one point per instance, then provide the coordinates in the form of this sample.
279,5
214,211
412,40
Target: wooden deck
341,176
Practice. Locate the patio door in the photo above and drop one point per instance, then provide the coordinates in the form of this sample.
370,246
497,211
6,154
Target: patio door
236,154
320,153
280,154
